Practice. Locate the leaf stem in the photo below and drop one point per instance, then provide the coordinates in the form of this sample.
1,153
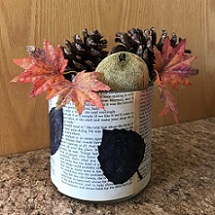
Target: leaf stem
70,71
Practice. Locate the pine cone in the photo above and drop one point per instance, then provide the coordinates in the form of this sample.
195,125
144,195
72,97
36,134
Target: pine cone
84,54
141,43
138,42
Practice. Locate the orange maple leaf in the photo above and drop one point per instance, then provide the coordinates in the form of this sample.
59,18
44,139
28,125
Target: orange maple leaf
83,88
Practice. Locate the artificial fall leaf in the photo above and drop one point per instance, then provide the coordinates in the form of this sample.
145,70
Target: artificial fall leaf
83,88
173,65
168,99
44,68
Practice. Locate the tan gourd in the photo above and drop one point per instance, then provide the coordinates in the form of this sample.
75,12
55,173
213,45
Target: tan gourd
124,71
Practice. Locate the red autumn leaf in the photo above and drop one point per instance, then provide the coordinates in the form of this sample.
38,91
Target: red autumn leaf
44,68
83,88
168,99
174,65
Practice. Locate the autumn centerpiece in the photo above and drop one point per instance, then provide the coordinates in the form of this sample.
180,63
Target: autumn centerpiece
100,106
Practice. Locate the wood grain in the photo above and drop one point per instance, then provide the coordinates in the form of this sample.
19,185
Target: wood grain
24,121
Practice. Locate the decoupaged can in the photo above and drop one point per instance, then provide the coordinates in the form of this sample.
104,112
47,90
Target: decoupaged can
76,159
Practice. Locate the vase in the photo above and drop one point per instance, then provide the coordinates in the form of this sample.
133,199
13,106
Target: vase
102,155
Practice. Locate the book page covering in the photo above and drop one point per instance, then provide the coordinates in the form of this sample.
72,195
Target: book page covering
75,169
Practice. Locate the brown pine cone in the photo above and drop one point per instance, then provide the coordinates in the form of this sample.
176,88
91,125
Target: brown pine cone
141,43
138,42
84,54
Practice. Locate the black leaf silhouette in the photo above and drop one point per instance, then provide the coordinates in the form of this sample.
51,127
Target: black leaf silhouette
120,154
56,129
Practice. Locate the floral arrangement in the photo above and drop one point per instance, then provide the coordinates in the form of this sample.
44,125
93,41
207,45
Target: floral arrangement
71,72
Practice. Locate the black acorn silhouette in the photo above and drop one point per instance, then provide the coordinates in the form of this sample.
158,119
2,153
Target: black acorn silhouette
56,129
120,154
